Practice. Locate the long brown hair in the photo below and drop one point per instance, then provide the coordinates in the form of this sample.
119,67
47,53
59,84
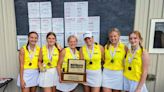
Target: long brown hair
140,37
109,32
32,32
52,33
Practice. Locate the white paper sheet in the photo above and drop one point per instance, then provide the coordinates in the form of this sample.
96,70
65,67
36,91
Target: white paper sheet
94,27
34,25
75,9
43,39
33,10
80,38
46,25
70,24
57,25
39,40
94,24
60,39
82,9
76,24
81,24
96,36
125,40
45,10
22,40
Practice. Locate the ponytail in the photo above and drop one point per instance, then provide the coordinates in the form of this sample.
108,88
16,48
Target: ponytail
27,45
141,46
57,46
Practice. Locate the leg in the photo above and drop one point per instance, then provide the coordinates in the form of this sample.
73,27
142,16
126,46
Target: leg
47,89
107,89
87,88
116,90
33,89
54,89
95,89
74,90
25,89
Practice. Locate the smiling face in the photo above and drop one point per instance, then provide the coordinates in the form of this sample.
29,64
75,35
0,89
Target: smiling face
72,42
134,40
51,40
89,41
33,38
114,37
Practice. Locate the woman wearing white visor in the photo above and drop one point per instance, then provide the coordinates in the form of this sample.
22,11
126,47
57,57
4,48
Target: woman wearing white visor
93,54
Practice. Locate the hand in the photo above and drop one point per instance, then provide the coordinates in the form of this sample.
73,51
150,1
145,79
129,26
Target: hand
138,90
23,84
42,68
59,47
60,79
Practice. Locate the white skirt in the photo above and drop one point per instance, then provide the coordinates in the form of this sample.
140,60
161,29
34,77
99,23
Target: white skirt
48,78
94,78
66,87
112,79
131,86
30,77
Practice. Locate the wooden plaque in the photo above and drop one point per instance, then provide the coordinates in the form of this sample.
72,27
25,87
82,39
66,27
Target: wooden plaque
76,66
76,71
73,77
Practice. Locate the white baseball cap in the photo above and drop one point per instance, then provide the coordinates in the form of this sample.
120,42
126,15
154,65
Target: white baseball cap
87,34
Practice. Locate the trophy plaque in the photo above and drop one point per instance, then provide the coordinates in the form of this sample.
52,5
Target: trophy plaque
76,71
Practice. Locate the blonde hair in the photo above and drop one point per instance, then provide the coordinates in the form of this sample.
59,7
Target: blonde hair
72,36
110,31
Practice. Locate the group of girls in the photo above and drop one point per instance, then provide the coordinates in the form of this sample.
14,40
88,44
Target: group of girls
114,67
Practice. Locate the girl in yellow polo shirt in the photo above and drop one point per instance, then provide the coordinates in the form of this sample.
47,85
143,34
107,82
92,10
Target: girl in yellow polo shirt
48,59
93,54
136,65
28,58
113,67
67,53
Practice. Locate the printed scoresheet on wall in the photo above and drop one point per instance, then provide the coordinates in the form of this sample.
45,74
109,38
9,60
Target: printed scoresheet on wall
75,22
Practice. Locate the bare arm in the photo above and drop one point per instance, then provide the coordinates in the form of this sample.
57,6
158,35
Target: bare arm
102,53
145,64
126,51
40,59
81,54
60,62
21,62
